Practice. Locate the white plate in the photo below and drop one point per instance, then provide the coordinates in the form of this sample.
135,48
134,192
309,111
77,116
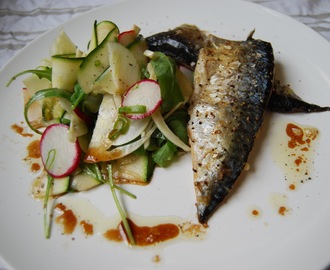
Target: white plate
300,240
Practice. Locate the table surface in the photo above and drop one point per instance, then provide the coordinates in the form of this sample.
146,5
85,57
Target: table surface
20,20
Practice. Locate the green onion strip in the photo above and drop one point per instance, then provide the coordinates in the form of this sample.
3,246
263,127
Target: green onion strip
120,209
138,109
49,163
120,126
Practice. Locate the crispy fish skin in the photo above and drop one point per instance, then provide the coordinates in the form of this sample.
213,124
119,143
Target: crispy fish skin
183,44
233,83
283,99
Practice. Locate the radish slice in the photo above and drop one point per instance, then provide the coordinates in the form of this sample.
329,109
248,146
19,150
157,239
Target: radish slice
59,155
146,93
127,37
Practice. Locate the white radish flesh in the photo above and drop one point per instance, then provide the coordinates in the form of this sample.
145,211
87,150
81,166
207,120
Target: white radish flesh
146,93
127,37
59,155
136,127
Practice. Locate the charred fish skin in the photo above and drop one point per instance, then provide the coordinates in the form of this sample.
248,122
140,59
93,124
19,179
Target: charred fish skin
233,83
181,43
283,99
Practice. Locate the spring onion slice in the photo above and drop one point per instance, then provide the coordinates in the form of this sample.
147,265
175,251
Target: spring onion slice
132,109
167,132
49,162
120,209
121,126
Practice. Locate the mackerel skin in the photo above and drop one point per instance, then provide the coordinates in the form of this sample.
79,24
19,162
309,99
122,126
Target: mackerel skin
232,85
183,44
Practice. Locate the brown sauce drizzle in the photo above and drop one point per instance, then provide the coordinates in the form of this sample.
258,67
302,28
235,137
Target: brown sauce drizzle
87,227
34,149
67,219
300,140
33,152
35,167
282,210
255,212
19,130
144,235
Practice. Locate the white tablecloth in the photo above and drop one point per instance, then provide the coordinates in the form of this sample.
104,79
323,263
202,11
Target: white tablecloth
21,21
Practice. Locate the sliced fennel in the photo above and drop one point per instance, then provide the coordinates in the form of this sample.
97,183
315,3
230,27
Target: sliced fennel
100,142
167,132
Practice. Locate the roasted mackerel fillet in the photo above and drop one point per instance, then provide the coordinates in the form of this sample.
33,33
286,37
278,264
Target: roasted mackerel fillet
232,85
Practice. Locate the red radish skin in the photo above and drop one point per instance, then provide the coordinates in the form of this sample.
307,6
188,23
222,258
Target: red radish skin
88,120
127,37
145,92
67,154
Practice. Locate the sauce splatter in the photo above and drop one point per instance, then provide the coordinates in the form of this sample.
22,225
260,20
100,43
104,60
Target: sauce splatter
20,130
280,204
33,149
67,219
295,150
33,155
35,167
192,230
87,227
144,235
156,259
255,212
282,210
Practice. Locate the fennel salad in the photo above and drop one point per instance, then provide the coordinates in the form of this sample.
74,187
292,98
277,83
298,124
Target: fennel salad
109,114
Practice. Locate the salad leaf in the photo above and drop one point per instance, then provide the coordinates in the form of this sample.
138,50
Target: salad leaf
44,72
165,69
77,96
162,149
164,154
178,124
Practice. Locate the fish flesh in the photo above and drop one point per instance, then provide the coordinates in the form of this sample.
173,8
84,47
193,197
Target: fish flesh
233,82
183,44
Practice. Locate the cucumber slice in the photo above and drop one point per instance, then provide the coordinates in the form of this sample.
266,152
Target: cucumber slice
64,71
124,68
138,48
134,168
62,45
100,32
83,182
51,109
95,63
104,83
59,187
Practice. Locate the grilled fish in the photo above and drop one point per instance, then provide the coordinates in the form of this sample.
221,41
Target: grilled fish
183,44
232,85
285,100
